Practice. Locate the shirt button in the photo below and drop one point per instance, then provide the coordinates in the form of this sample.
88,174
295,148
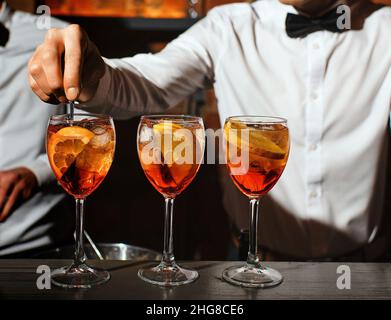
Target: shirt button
315,96
316,46
313,147
314,194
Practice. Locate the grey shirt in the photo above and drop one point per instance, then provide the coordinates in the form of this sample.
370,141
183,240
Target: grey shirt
23,122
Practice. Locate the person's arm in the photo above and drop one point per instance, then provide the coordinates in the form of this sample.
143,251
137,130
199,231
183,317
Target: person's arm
144,83
18,185
40,167
153,82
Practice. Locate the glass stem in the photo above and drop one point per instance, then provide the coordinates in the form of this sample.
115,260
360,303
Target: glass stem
80,256
168,252
253,258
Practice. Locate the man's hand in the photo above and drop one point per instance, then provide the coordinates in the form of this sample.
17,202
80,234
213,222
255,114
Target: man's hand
16,186
66,67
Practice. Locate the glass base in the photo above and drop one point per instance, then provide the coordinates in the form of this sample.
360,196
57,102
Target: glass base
252,277
168,275
81,276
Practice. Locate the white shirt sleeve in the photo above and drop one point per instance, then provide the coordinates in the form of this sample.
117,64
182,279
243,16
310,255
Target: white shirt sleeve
41,169
153,82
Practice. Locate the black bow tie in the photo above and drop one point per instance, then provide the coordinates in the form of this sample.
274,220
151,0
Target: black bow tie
4,35
299,26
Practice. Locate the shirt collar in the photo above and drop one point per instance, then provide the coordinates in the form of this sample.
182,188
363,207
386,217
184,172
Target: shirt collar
273,12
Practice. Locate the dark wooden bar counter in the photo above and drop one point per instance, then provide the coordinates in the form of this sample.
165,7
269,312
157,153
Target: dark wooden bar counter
301,281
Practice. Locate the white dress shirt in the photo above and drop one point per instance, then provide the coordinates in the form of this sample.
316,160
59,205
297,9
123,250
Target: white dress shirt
23,123
334,89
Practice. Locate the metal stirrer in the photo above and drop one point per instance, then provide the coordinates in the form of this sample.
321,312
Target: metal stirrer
92,244
71,107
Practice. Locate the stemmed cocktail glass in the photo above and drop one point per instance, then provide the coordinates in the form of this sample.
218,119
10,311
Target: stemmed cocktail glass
257,150
170,150
80,149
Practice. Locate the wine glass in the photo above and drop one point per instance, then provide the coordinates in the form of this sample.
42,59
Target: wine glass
80,151
170,150
257,150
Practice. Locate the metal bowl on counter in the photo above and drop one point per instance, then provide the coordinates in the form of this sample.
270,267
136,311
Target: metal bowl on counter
109,251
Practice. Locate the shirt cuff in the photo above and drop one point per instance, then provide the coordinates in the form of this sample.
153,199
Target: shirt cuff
42,171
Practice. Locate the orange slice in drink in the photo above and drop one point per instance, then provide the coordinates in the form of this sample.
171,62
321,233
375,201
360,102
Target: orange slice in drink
64,147
166,130
174,155
167,127
253,140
